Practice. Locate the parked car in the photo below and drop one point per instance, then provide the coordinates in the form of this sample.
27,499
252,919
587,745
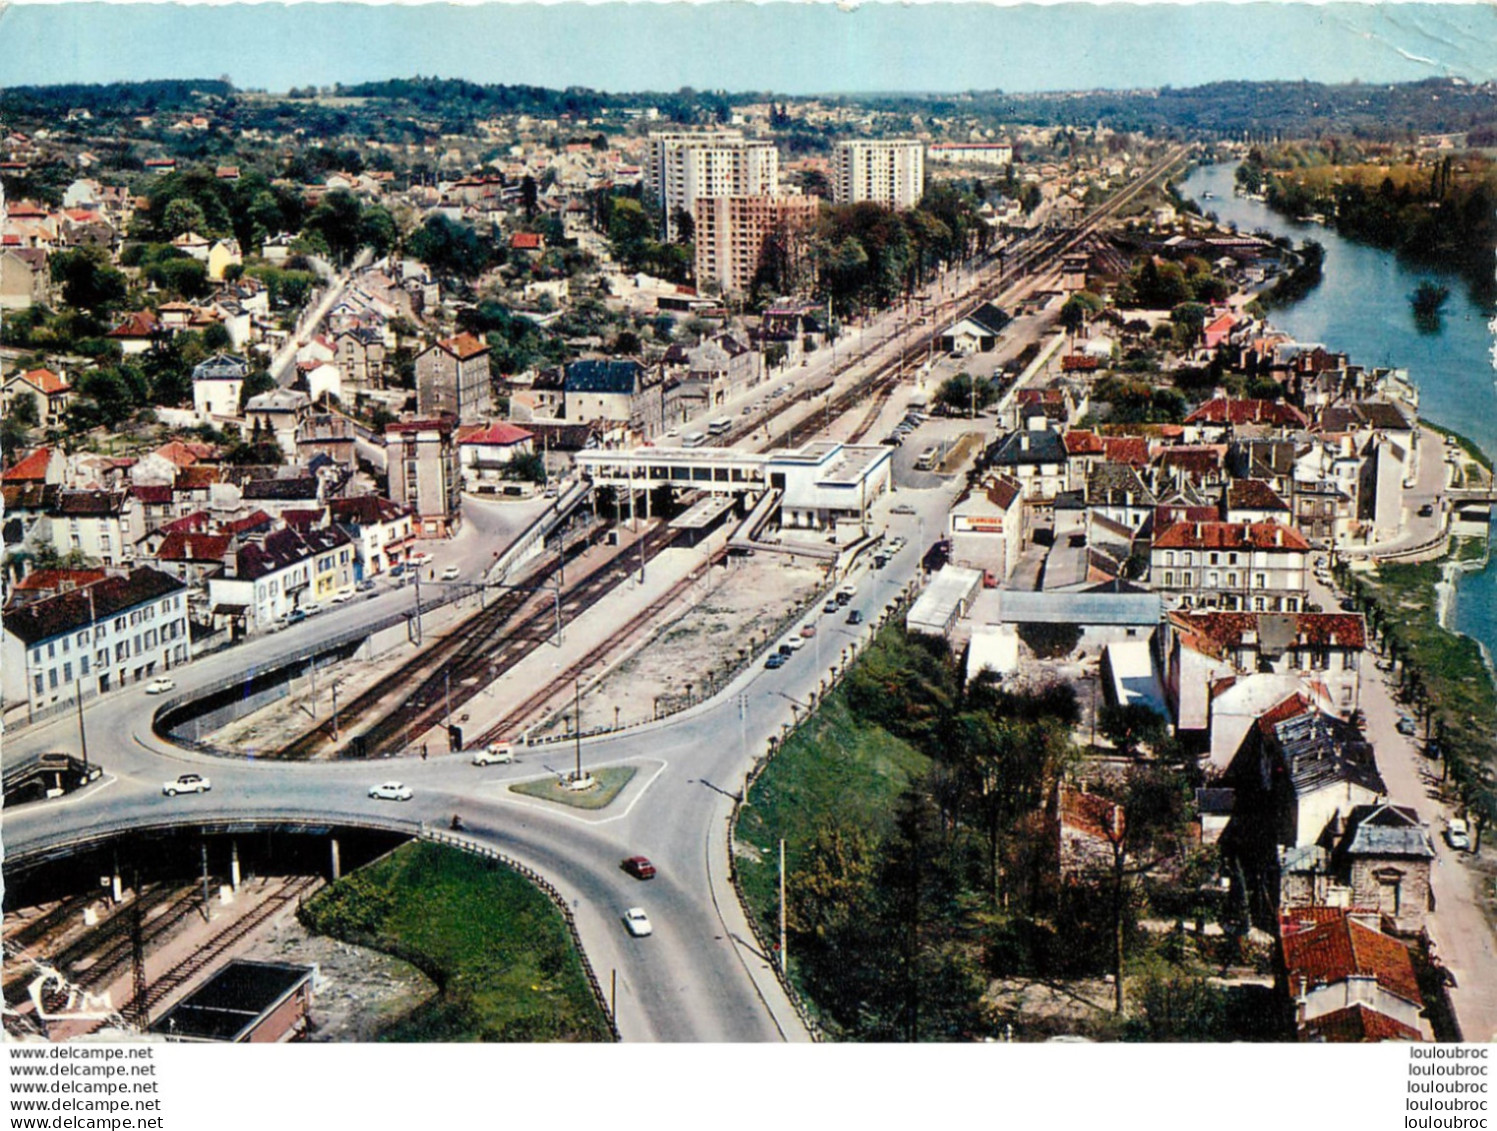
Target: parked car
365,586
494,754
187,783
296,616
830,606
391,791
855,617
1458,835
311,609
807,631
637,922
1406,725
397,570
159,686
794,644
344,594
419,558
776,660
450,573
639,867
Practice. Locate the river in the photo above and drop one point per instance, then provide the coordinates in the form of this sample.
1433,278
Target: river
1362,306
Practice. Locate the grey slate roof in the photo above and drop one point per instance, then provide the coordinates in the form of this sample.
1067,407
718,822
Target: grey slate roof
596,375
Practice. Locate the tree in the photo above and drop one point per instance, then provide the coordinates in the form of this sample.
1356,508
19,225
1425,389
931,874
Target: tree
258,381
338,220
87,279
965,394
377,230
23,410
183,215
1073,315
1129,725
449,248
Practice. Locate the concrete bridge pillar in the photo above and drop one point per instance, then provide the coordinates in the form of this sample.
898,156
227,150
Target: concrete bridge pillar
234,864
336,864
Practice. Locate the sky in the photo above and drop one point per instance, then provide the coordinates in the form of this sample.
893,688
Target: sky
788,48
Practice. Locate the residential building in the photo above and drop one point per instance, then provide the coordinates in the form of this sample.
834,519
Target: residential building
421,460
114,632
23,277
361,357
1037,460
216,386
609,389
485,454
977,332
888,171
383,532
1247,567
100,525
987,527
1378,857
979,153
737,236
268,575
277,415
1346,979
452,379
682,166
50,392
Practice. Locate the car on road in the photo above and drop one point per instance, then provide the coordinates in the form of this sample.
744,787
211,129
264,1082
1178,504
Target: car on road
1457,834
893,440
419,558
903,508
637,922
450,573
310,609
160,685
830,606
855,617
344,594
296,616
1348,605
391,791
365,586
187,783
639,867
793,645
775,661
494,754
1427,510
397,570
807,631
1406,725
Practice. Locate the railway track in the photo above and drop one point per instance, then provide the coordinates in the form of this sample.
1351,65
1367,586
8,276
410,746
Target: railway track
517,718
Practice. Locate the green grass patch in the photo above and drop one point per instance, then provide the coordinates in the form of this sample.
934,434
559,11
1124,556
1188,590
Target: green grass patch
1467,445
610,779
496,947
834,769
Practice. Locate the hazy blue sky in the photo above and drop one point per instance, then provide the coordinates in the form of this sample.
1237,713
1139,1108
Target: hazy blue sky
789,48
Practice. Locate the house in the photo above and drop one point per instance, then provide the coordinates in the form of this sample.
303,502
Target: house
319,379
97,637
382,532
1036,460
138,333
277,414
485,454
40,466
1253,501
530,242
422,463
217,385
100,525
452,378
977,332
1257,567
987,527
23,277
222,255
266,576
327,434
600,389
1218,418
192,556
49,392
360,355
1346,979
276,496
1377,858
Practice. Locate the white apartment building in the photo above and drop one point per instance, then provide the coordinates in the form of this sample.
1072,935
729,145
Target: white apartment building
1235,567
682,167
101,637
889,172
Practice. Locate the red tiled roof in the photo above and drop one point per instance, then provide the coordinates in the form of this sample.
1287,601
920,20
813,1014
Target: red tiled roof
1085,444
1126,449
141,324
30,469
464,346
196,478
1231,536
185,546
1356,1024
525,241
498,433
1227,410
50,579
1339,948
45,380
1295,705
1253,494
1090,814
152,493
1225,630
248,522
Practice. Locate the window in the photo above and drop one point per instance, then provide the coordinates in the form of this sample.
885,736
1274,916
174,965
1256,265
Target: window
121,652
1260,581
1169,557
38,683
1215,559
82,665
1169,577
1189,558
67,672
52,679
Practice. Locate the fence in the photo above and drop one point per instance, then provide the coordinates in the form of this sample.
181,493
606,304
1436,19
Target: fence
761,763
550,891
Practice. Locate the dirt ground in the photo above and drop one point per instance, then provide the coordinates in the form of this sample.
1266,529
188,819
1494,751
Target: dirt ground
358,992
739,606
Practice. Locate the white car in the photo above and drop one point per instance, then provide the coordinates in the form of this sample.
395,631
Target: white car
419,558
187,783
450,573
159,686
344,594
494,754
637,922
391,791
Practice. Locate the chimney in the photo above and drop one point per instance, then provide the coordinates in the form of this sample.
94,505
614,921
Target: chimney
1278,536
1024,442
1333,640
1198,532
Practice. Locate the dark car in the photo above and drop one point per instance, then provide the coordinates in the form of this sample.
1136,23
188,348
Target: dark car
855,617
785,653
776,660
1348,605
639,867
397,570
1426,510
